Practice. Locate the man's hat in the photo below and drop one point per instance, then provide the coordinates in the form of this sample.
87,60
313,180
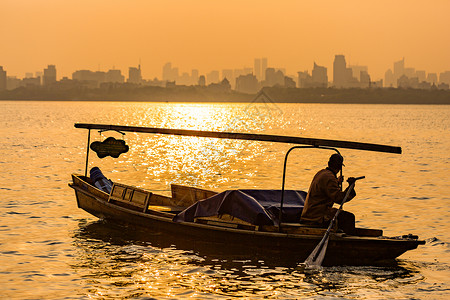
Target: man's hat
336,160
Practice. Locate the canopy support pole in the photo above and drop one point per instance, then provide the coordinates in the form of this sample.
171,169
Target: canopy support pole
284,176
87,152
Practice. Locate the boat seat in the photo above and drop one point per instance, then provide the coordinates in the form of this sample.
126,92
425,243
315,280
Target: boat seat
309,225
166,208
130,197
226,220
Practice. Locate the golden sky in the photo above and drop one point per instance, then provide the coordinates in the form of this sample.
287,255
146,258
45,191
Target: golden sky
217,34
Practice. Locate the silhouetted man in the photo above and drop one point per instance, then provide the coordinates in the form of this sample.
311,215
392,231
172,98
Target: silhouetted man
324,191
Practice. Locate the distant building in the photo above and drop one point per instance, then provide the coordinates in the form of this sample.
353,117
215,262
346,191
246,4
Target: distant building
92,79
408,83
273,78
376,84
184,79
356,71
410,72
244,71
13,82
134,75
257,69
399,69
85,75
339,71
364,79
343,76
229,74
170,84
223,86
114,76
154,82
289,82
389,79
432,78
263,68
247,84
194,77
421,75
303,79
444,77
31,82
443,86
212,77
202,80
3,79
49,75
424,85
169,73
319,76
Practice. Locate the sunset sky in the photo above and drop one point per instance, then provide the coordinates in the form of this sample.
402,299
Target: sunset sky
217,34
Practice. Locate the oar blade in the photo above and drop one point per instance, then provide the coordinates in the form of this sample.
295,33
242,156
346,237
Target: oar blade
317,256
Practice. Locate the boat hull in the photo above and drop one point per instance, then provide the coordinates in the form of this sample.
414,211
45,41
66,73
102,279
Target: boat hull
342,250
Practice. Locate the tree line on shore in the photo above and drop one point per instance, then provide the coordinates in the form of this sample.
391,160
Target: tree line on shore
220,94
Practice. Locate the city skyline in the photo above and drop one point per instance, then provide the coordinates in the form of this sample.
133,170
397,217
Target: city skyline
246,80
218,35
248,68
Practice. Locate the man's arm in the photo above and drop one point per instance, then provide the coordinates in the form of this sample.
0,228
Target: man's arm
334,192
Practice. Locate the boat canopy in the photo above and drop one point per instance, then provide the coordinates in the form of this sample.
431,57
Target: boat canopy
258,207
246,136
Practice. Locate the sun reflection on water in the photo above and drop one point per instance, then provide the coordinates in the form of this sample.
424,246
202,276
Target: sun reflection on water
209,163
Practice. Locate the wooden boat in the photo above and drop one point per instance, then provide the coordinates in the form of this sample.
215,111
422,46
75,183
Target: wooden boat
135,206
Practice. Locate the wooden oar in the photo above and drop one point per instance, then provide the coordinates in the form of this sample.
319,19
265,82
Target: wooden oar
248,136
316,257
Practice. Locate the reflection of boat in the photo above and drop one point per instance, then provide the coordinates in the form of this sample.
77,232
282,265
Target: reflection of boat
265,220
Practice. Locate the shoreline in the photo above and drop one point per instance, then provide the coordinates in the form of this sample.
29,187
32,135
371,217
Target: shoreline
209,95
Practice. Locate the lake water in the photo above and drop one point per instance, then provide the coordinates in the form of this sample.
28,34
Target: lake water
50,249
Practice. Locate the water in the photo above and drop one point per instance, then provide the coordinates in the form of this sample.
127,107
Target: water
51,249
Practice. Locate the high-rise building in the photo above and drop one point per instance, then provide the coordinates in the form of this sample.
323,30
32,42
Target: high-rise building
49,75
247,84
319,76
421,75
263,68
114,76
444,77
432,78
340,71
169,73
3,79
356,71
410,72
89,78
274,77
202,80
399,69
134,75
213,77
303,79
364,79
194,76
184,79
229,75
257,69
389,80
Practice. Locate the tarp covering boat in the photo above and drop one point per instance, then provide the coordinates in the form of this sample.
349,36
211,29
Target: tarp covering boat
258,207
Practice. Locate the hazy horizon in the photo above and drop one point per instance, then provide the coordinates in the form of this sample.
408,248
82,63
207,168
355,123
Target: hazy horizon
216,35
